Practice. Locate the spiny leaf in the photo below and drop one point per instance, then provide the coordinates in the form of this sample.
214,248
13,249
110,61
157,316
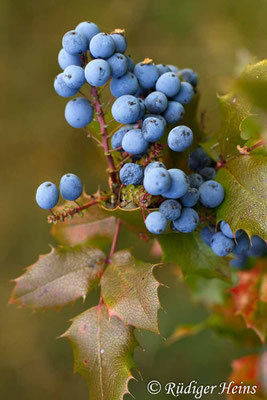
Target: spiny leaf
193,256
249,301
183,331
58,278
103,352
245,185
130,291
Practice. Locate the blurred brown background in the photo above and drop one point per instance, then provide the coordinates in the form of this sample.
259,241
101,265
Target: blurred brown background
215,37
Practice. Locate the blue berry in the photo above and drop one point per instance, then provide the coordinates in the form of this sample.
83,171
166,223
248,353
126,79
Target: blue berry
207,233
171,209
207,173
173,68
131,174
134,142
116,140
156,102
97,72
239,262
195,180
120,42
156,223
199,159
65,59
243,245
126,84
191,197
189,76
156,180
131,63
211,194
153,129
185,94
227,231
187,222
74,77
102,46
87,29
154,164
147,74
79,112
61,88
70,187
169,84
179,184
74,43
162,68
258,247
221,245
118,64
47,195
180,138
156,116
174,112
126,109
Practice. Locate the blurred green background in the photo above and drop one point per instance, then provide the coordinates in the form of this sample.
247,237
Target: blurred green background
214,37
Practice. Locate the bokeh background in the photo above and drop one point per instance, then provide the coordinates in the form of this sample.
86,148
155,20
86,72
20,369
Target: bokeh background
215,37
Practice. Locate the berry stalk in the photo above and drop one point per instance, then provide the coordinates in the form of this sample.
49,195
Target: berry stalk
104,134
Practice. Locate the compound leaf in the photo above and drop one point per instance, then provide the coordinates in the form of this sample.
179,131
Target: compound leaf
58,278
103,352
193,256
130,291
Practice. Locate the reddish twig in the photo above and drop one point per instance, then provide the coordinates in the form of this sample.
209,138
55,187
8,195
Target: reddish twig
115,239
104,134
67,213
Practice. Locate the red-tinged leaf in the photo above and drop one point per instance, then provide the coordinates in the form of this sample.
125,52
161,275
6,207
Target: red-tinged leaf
103,352
94,227
183,331
130,291
248,373
250,300
60,277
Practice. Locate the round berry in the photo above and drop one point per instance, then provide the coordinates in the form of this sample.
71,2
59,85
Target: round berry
116,140
187,222
180,138
153,129
185,94
126,109
171,209
221,245
207,233
118,64
154,164
156,102
97,72
74,77
227,231
258,247
207,173
191,197
157,181
179,184
243,245
147,74
134,142
47,195
74,43
87,29
199,159
189,76
126,84
131,174
70,187
174,112
120,42
162,68
61,88
169,84
156,223
195,180
79,112
65,59
211,194
102,46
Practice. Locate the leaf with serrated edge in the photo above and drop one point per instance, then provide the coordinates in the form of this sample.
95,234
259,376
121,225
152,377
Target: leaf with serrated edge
58,278
103,352
193,256
130,291
245,185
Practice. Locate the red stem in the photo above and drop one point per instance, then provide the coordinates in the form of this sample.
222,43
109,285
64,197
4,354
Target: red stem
261,143
115,239
104,134
72,211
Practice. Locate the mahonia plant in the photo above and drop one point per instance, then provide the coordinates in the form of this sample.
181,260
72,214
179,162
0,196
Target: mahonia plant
201,197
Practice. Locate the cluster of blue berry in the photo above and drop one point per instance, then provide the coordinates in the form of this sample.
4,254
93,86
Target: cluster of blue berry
47,194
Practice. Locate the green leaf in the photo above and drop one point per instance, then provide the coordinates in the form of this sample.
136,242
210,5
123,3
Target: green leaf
130,291
103,352
245,185
234,110
193,256
58,278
